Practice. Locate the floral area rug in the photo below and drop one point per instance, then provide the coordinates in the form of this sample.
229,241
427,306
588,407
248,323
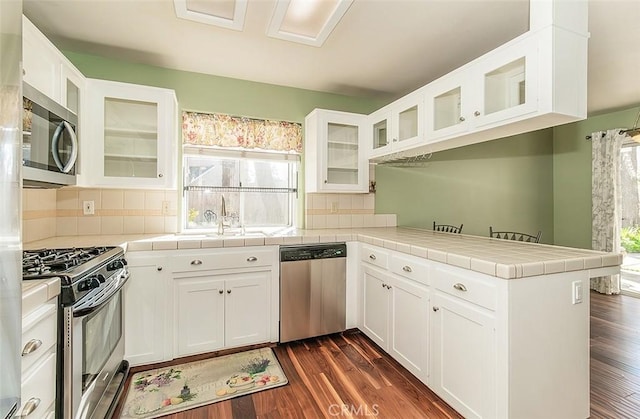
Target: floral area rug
168,390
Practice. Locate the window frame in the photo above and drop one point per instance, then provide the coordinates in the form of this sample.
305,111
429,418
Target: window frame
235,153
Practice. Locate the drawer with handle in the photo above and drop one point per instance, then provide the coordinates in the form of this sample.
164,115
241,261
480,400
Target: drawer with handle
222,259
38,334
39,388
466,287
374,256
410,267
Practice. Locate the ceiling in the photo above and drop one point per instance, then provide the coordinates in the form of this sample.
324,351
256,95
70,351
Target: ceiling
380,49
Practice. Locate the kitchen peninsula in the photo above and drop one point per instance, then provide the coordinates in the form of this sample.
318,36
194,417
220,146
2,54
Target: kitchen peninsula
496,328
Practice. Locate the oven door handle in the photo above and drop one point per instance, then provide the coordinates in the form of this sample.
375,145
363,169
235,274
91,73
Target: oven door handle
84,311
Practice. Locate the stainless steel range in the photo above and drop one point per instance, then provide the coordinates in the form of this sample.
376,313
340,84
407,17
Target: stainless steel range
91,369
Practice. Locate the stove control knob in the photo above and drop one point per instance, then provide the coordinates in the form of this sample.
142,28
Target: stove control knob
116,264
101,278
89,284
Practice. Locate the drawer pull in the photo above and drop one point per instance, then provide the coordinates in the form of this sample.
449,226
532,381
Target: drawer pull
252,259
372,257
29,407
407,268
31,346
228,291
196,262
220,292
460,287
435,308
159,268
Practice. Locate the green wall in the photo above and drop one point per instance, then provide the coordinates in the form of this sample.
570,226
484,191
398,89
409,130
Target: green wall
506,183
207,93
572,175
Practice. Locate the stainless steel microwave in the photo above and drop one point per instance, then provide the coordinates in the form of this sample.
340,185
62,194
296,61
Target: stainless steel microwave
49,141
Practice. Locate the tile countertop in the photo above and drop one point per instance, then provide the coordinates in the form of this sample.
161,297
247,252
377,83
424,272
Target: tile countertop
36,292
501,258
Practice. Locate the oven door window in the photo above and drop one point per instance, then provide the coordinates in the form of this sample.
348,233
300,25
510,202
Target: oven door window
101,331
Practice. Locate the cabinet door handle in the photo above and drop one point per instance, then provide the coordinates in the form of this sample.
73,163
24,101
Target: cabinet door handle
389,287
407,268
384,285
477,113
461,119
196,262
160,175
159,268
460,287
220,292
252,259
435,308
29,407
31,346
228,291
372,257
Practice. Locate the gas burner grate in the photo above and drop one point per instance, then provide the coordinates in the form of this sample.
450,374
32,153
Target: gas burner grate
56,261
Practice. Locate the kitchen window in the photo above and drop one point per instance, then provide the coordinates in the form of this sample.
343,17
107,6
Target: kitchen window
239,172
245,190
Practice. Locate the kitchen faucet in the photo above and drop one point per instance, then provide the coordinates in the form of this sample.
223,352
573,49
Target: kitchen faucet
223,214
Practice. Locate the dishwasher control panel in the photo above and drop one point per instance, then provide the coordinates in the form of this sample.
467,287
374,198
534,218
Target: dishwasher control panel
314,251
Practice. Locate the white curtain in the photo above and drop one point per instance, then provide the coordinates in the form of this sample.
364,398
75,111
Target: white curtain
606,201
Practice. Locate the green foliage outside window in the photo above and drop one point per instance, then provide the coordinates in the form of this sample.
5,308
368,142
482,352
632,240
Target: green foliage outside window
630,239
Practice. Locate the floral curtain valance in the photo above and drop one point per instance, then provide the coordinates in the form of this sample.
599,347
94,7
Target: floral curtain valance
233,131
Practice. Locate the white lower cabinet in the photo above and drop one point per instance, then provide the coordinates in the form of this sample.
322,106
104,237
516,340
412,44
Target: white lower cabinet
199,314
187,302
220,311
396,317
147,316
39,337
463,351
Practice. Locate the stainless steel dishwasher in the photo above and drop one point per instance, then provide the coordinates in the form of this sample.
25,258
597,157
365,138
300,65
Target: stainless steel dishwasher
312,290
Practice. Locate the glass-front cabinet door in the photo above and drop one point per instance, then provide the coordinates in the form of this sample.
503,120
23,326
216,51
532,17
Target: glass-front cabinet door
137,130
508,83
408,120
397,126
335,158
379,136
343,152
447,106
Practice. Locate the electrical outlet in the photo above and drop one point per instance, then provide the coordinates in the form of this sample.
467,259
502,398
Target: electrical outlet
334,207
88,207
165,207
577,292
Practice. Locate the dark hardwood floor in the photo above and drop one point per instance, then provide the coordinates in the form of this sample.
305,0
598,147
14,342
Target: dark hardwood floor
350,370
329,372
615,356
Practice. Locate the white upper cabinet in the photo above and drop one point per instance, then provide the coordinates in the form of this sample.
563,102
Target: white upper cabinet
397,126
48,70
40,61
534,81
335,159
497,89
134,136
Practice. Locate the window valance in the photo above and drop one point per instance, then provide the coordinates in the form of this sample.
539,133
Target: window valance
222,130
